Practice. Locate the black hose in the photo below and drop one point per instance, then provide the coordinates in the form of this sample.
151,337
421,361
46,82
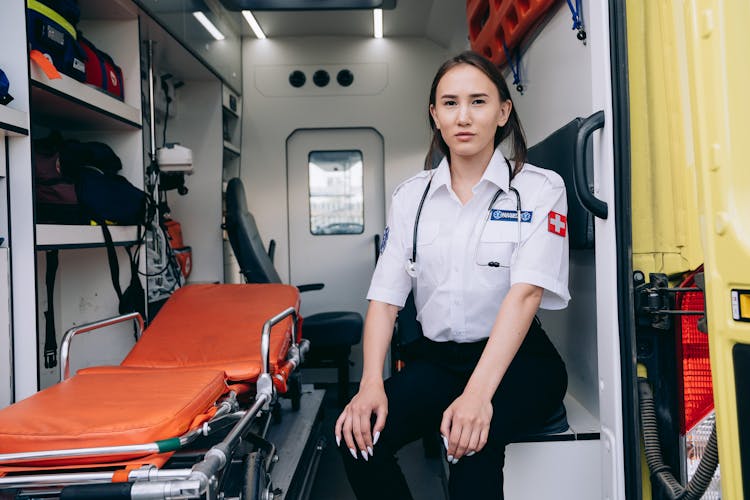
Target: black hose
662,473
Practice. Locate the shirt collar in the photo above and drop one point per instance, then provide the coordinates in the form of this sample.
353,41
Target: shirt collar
496,173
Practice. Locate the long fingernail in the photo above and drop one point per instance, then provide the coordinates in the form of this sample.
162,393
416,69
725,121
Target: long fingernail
364,455
354,453
471,453
445,441
369,450
377,436
455,461
338,440
450,458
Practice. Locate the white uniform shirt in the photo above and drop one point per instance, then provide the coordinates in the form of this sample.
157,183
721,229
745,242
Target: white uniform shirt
456,293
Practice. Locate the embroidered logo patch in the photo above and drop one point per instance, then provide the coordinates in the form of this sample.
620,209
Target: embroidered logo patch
557,223
385,240
510,215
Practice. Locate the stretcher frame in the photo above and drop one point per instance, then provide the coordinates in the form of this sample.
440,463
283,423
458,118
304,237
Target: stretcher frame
149,482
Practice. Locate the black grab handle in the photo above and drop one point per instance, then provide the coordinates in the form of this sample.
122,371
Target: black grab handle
376,240
580,175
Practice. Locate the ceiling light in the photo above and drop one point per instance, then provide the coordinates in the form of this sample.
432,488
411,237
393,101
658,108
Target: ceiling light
201,17
253,24
377,17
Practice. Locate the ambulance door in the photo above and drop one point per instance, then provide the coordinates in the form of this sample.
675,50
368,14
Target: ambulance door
336,211
719,76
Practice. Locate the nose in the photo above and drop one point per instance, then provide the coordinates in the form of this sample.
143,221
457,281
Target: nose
464,115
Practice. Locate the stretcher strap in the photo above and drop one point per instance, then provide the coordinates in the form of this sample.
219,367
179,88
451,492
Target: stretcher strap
123,475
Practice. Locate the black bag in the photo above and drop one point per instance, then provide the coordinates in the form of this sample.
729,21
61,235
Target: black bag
75,154
110,197
55,194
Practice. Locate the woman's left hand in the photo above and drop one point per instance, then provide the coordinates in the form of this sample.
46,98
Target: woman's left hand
466,425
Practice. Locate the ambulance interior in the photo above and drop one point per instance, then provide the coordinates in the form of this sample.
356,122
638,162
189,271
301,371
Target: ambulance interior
233,103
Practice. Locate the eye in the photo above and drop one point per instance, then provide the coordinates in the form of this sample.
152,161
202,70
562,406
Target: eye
449,102
478,101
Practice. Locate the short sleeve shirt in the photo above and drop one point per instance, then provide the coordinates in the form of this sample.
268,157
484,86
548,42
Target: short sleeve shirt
468,256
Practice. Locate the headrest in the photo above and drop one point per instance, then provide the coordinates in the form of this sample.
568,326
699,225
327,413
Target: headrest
556,153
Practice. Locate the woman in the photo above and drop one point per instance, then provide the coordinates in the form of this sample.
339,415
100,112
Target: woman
491,248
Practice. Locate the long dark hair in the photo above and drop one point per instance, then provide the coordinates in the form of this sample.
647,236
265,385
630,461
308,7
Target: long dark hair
438,147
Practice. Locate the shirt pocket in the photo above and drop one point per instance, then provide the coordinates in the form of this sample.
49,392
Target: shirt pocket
494,253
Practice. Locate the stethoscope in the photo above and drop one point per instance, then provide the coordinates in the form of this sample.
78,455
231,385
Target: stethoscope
411,264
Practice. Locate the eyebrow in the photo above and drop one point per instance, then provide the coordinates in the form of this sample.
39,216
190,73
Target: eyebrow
451,96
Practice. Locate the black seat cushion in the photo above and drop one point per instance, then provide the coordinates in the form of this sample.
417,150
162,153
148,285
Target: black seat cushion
331,329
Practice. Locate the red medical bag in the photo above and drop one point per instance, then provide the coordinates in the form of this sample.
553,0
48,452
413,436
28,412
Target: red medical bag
101,70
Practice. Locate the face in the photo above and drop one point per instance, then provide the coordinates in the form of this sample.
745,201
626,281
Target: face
468,110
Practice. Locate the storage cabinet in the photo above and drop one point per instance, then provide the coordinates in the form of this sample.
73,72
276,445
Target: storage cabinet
83,289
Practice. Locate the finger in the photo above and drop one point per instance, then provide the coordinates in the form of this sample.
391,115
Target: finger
337,428
348,437
483,436
357,432
366,435
381,414
445,425
453,439
473,443
463,442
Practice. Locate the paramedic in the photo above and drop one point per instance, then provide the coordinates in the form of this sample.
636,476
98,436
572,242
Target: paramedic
491,248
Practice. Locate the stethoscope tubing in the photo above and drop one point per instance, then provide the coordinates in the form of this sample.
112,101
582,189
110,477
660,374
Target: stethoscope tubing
411,264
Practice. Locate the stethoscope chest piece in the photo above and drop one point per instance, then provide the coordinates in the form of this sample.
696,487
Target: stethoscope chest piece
411,268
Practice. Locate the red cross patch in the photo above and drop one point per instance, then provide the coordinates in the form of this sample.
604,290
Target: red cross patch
557,223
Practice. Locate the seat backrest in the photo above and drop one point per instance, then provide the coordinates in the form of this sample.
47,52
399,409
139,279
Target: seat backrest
255,264
556,152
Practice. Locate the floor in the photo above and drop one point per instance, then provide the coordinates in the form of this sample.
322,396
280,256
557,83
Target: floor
423,474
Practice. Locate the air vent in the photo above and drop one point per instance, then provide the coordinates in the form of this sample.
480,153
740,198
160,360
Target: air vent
345,77
297,79
321,78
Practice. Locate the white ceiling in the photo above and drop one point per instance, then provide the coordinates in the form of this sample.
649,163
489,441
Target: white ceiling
442,21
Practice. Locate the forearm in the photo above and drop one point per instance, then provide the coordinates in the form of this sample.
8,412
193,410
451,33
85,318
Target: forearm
379,323
508,332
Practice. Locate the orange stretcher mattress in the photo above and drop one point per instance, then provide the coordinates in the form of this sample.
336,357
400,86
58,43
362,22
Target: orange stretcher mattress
111,408
217,326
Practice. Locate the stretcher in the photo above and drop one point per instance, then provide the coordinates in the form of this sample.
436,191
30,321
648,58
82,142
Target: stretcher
182,416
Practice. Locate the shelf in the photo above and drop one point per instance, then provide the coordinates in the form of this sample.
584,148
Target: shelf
13,122
78,105
228,146
51,236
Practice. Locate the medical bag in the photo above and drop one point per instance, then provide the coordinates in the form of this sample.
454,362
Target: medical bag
5,96
101,70
182,253
53,35
55,194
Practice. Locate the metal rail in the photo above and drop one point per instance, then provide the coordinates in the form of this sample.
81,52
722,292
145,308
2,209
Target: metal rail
88,327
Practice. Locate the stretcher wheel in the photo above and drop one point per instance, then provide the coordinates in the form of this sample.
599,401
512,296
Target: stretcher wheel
257,480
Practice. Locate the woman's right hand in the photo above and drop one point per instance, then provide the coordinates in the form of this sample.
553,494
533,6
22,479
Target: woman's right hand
354,422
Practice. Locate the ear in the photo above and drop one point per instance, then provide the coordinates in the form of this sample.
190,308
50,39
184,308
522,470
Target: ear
433,114
505,108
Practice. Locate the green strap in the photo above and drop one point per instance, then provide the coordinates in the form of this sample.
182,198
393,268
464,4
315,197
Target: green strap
48,12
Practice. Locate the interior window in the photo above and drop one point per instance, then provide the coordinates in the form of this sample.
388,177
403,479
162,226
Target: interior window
336,192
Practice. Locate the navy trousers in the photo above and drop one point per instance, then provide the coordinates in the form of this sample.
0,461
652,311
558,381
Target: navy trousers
530,392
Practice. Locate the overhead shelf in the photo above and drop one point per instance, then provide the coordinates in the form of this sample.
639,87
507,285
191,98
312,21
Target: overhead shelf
13,122
78,105
51,236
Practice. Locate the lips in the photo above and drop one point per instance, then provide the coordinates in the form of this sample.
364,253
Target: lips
464,136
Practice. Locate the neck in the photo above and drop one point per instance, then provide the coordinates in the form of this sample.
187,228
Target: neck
467,171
